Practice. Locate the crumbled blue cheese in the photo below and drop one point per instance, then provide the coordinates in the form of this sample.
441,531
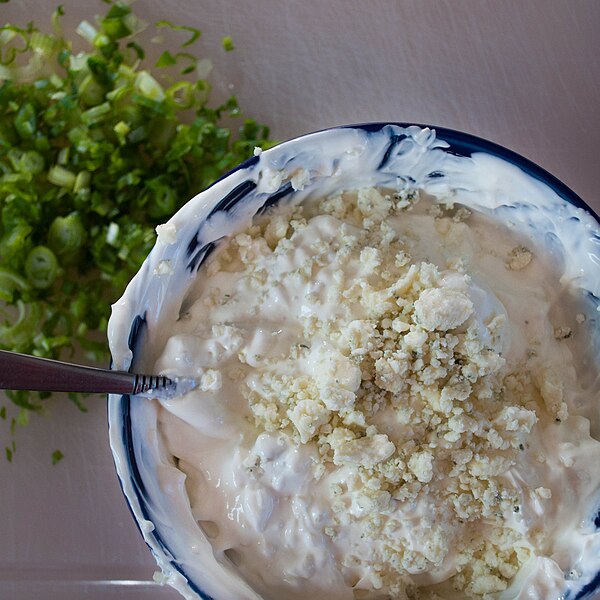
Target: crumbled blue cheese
442,309
210,381
418,350
167,233
518,258
365,451
164,267
421,466
307,416
299,179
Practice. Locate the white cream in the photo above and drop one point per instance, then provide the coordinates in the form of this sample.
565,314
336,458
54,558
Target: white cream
274,524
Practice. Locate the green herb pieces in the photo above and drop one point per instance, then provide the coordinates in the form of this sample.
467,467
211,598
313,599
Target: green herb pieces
41,267
96,149
228,44
57,456
195,33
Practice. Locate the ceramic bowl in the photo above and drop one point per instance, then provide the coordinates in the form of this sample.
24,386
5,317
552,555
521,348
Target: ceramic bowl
385,154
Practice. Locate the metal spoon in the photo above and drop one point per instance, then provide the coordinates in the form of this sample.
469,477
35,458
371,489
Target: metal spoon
25,372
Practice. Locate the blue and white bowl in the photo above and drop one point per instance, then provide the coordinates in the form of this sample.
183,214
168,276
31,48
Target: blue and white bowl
484,175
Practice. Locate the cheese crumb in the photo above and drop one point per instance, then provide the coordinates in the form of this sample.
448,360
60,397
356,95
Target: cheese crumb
562,333
366,451
210,381
421,465
442,309
299,179
543,492
518,258
167,233
307,416
164,267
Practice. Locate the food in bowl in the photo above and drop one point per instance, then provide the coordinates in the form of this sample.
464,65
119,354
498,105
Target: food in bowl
397,362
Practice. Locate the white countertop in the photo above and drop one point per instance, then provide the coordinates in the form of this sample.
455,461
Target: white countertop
523,74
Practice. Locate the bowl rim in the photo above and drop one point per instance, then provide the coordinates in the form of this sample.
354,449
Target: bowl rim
461,144
458,141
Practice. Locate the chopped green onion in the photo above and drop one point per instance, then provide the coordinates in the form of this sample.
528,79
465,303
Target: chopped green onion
63,156
90,91
26,121
82,181
10,283
146,85
56,15
195,32
166,59
112,233
87,31
23,417
19,332
139,51
96,113
43,44
122,129
96,149
61,177
41,267
182,94
31,162
15,241
78,62
66,235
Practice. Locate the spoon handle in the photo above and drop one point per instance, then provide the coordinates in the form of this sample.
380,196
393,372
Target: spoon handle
24,372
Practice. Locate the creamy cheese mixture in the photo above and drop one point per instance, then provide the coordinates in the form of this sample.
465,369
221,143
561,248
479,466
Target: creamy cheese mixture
388,405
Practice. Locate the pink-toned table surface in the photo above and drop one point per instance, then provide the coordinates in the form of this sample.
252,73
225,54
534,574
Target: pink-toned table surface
525,74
